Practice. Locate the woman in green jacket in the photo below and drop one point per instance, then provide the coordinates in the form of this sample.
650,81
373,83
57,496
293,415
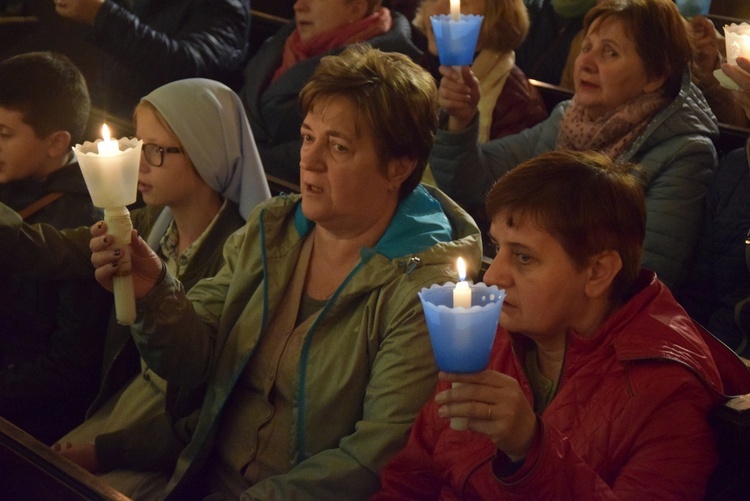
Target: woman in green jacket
311,339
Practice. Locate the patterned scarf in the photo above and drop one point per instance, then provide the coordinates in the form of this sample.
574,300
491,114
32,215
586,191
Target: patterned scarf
295,50
613,133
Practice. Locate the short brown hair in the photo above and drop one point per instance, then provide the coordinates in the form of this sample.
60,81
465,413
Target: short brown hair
48,90
393,95
586,201
661,35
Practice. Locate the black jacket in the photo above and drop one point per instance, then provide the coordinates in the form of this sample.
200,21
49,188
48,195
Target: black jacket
51,332
719,279
166,40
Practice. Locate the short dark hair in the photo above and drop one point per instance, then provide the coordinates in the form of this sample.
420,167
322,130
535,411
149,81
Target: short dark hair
48,90
396,97
585,200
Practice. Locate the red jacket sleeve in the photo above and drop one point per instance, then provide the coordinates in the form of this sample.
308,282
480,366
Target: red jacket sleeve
669,454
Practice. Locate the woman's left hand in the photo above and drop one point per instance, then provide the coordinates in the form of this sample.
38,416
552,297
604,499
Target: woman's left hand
458,95
495,405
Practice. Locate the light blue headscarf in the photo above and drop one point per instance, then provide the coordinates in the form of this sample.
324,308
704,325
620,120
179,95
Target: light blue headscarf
210,121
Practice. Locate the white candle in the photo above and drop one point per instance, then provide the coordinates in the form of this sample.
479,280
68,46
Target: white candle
462,292
737,37
107,146
737,41
456,10
111,177
119,226
461,299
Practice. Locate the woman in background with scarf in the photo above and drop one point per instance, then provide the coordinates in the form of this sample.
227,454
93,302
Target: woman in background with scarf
633,102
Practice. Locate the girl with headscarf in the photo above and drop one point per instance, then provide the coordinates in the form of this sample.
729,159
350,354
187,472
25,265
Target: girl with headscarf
200,176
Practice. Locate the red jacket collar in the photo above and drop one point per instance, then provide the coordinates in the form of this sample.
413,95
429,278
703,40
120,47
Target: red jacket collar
653,326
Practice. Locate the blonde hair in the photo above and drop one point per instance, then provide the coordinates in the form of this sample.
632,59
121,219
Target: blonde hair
146,105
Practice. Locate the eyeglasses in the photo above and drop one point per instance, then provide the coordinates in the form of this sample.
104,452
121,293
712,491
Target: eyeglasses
154,154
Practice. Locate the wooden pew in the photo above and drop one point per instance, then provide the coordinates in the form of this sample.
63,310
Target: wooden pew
279,186
720,21
30,471
551,94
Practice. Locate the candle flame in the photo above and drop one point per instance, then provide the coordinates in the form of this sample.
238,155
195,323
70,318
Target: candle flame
105,133
461,266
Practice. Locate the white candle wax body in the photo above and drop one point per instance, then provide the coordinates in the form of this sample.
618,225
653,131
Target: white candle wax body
112,179
456,10
119,226
738,42
462,295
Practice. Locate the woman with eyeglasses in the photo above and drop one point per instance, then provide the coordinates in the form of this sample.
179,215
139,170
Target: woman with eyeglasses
200,175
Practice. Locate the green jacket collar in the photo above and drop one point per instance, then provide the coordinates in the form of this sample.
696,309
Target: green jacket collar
419,223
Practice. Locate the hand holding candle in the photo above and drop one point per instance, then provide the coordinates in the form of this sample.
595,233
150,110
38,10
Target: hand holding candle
462,320
111,176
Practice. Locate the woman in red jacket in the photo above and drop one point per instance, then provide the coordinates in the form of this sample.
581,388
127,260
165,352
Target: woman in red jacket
599,383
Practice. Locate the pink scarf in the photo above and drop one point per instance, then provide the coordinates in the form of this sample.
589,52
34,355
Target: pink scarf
295,50
613,133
